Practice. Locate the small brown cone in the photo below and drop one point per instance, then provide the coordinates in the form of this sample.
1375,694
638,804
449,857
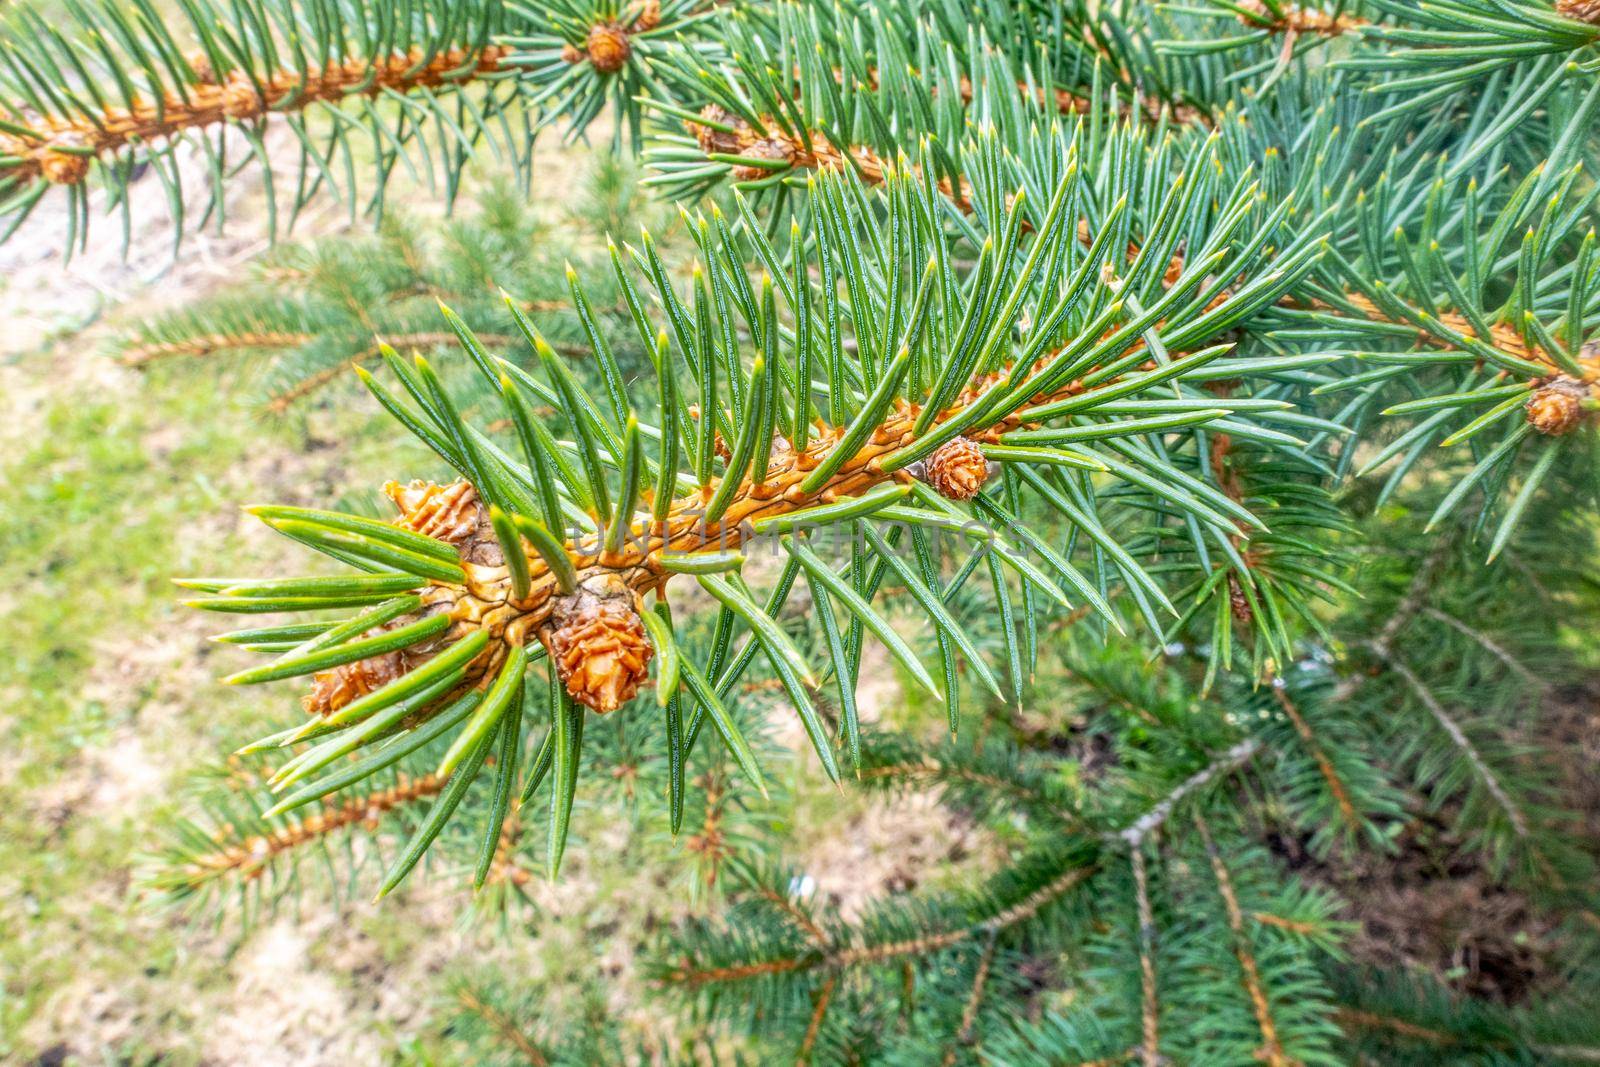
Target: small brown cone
448,513
1556,407
598,643
608,48
957,469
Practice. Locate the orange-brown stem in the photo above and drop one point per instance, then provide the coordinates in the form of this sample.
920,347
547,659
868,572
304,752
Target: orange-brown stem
251,856
506,1027
821,152
1271,1050
486,600
405,342
1300,21
206,344
212,343
1065,101
1336,786
1020,912
61,149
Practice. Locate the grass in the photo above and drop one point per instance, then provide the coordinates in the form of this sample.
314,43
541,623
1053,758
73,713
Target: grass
106,683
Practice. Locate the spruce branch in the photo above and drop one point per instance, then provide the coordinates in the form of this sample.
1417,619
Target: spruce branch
488,1019
1366,1020
1387,1014
1480,768
1489,645
103,95
1325,767
1514,367
210,344
1271,1051
59,151
1235,757
969,1010
497,586
760,149
240,853
842,957
503,1026
1149,996
818,1014
318,308
760,125
1037,887
786,906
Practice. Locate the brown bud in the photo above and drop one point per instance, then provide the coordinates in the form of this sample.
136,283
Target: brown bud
571,53
719,446
608,47
1556,407
240,100
766,148
1238,603
714,140
1580,10
449,513
649,18
332,689
452,514
598,643
957,469
64,168
200,63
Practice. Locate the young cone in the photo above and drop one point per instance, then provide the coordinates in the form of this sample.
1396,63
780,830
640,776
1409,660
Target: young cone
1556,407
957,469
599,644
